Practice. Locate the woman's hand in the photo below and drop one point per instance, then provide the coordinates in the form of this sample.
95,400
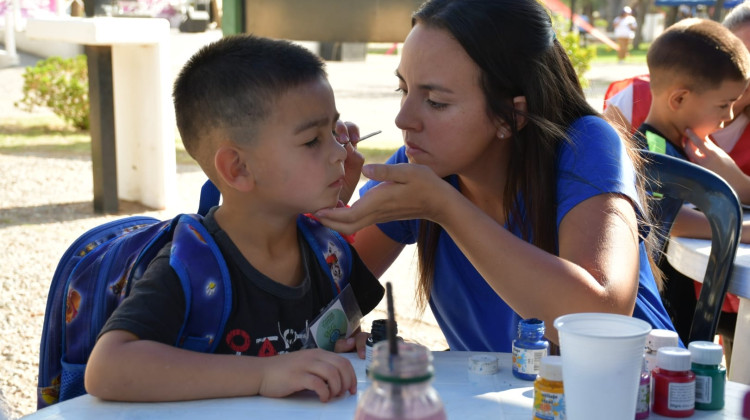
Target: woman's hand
407,191
347,134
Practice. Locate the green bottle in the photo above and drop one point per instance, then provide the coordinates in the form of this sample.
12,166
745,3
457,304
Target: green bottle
710,376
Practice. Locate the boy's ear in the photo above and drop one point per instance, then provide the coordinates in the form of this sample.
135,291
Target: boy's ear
233,168
677,97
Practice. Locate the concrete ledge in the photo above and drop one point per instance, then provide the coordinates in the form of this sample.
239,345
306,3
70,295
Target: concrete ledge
100,30
46,48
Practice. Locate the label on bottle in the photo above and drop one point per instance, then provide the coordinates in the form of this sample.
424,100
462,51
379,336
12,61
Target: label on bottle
703,387
681,396
368,356
644,394
528,361
549,405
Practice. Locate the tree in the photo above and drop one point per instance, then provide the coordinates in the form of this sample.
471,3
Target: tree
642,7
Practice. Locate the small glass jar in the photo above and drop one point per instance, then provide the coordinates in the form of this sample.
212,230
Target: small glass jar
642,406
378,333
710,376
528,349
673,383
657,339
401,386
549,396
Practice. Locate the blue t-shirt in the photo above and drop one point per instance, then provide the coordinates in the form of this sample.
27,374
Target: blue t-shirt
470,314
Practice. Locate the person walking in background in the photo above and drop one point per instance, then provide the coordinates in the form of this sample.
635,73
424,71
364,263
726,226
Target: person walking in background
625,25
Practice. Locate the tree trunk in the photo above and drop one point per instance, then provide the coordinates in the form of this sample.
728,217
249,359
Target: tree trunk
642,8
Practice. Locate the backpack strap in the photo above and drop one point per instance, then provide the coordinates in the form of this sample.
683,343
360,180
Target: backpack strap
210,196
331,250
204,276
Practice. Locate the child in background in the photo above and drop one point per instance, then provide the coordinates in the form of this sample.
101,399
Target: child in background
627,103
259,116
698,70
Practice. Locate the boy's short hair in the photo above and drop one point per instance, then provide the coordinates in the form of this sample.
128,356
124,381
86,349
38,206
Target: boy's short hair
698,52
230,86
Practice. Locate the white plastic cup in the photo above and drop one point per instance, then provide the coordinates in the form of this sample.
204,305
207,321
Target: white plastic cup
602,356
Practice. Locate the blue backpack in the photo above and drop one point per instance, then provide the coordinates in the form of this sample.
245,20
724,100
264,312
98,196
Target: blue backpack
99,269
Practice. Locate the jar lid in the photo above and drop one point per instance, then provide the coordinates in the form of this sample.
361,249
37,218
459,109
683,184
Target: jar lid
551,368
657,339
706,352
673,358
483,364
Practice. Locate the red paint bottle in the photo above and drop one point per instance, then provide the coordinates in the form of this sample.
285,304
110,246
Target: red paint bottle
673,383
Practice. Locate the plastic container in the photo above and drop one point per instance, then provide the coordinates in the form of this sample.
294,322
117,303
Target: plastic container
642,406
529,347
710,376
655,340
673,383
401,386
378,333
549,398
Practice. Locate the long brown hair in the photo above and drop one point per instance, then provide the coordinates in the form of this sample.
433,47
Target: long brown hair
514,45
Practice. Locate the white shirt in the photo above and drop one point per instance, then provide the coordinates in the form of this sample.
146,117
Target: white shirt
624,27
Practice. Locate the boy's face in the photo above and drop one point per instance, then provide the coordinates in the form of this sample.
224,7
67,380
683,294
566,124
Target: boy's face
705,112
297,163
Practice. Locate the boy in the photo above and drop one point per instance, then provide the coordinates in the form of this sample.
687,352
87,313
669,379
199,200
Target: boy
259,116
698,70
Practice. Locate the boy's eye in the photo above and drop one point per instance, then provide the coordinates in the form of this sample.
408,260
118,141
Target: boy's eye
401,90
312,143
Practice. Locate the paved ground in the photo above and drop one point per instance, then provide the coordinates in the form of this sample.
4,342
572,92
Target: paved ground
364,93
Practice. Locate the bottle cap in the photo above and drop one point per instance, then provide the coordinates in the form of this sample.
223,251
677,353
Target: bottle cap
551,368
483,364
706,352
657,339
675,359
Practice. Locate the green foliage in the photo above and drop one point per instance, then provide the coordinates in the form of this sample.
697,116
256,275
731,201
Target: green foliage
579,55
60,84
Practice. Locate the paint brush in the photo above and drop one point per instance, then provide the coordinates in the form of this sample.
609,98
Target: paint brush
367,136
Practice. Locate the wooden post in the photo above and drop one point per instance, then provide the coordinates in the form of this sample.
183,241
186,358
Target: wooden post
102,128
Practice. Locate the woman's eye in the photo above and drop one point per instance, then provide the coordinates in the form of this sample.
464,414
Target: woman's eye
435,105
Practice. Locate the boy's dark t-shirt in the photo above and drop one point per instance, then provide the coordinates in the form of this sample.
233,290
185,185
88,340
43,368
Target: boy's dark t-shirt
267,318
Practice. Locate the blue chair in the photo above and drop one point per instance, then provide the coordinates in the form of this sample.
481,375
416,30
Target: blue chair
679,181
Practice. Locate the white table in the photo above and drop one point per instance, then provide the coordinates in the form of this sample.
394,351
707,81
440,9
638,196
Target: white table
690,257
466,396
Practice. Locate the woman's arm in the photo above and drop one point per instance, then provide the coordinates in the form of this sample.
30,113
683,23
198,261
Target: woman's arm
376,249
124,368
598,265
597,270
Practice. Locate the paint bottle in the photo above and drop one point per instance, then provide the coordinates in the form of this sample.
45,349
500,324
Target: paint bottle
401,386
377,334
642,406
710,376
655,340
549,399
673,383
529,347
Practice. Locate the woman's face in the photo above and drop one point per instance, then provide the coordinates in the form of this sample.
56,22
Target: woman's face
443,113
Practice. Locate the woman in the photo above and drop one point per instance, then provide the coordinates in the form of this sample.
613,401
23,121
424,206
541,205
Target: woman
523,201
